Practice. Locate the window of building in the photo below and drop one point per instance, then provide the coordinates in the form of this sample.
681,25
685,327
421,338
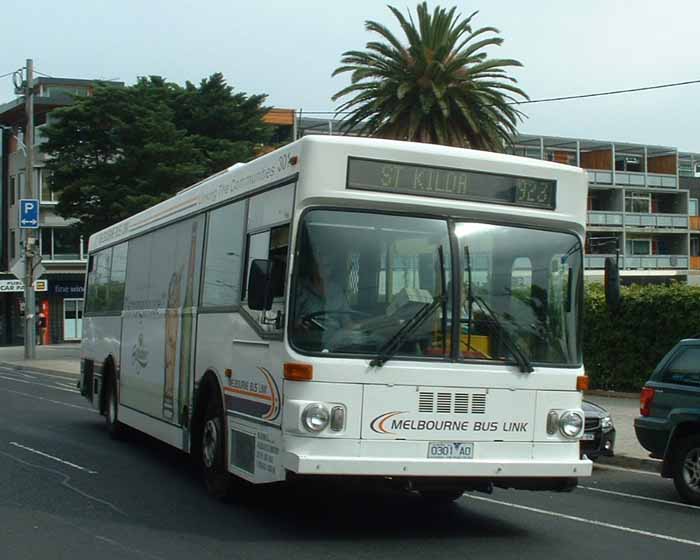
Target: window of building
638,247
20,185
13,186
67,90
628,163
695,246
41,179
638,202
61,244
13,250
693,206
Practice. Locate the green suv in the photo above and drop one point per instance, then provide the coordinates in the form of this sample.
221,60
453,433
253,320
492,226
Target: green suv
669,425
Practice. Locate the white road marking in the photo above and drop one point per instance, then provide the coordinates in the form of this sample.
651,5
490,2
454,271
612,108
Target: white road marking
50,375
48,400
586,521
58,459
68,386
645,498
17,380
624,469
30,376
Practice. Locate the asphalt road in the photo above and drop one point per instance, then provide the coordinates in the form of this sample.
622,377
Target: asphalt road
68,491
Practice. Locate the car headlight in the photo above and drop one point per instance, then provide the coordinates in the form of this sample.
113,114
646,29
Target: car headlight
606,423
571,424
315,417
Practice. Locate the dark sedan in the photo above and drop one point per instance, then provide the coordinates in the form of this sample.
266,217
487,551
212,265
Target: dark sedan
598,438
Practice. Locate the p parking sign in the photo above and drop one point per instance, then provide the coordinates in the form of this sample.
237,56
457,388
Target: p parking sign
29,213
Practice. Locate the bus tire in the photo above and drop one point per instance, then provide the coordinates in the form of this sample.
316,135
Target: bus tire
114,427
218,480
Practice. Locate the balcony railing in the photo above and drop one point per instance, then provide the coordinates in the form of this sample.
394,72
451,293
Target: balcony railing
694,263
620,219
598,218
649,262
675,221
632,179
695,223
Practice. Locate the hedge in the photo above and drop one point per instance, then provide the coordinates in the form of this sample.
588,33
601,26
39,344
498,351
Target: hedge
621,347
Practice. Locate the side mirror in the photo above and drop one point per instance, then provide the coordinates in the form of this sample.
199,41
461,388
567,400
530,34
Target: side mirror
260,285
612,283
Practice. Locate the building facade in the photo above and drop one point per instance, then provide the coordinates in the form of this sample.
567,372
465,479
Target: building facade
63,252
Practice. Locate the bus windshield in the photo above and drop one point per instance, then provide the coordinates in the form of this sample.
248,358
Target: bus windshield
359,277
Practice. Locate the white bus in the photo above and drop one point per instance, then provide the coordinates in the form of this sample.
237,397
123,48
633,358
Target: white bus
351,307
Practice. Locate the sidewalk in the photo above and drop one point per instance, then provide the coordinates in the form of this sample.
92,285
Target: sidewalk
624,408
57,358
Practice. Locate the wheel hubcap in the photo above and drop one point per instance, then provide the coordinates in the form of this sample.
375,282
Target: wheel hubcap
691,469
112,407
210,442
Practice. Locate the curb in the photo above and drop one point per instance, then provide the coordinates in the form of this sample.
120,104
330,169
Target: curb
33,369
611,394
627,462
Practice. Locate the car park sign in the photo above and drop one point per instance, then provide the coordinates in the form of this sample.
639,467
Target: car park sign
29,213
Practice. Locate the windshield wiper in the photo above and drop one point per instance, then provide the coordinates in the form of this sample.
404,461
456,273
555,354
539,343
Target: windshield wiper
411,325
512,345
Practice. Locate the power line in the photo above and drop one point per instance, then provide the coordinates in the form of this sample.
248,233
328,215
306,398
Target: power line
47,75
562,98
8,74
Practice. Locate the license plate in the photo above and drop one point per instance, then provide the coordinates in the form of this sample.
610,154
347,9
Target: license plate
450,450
588,437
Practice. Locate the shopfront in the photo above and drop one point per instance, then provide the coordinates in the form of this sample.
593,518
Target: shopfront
58,297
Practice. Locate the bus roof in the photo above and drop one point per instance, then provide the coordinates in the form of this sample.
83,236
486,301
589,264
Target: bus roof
316,152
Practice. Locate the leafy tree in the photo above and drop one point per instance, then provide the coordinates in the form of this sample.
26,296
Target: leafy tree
124,149
440,88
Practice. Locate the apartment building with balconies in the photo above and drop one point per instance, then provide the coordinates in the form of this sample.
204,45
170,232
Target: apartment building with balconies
689,178
637,205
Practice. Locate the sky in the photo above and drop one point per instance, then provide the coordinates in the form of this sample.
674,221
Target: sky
288,51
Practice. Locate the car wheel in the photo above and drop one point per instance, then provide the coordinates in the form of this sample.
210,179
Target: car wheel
686,469
213,455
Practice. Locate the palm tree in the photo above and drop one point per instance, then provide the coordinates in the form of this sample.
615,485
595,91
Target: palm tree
440,88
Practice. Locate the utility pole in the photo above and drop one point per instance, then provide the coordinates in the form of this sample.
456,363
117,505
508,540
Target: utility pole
29,234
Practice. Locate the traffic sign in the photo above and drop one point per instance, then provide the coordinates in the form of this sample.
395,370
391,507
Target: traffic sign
29,213
18,269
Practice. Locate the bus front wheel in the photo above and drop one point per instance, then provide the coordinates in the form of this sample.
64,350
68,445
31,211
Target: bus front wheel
213,456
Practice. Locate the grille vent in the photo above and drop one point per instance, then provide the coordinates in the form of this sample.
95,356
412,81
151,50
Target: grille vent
479,404
452,403
592,423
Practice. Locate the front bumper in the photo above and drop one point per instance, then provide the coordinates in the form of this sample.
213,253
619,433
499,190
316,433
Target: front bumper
492,460
602,444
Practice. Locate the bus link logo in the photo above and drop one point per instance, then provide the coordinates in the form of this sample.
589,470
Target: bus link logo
384,423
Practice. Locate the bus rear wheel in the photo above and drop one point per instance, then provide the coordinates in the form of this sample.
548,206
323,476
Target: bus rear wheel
114,427
217,479
441,496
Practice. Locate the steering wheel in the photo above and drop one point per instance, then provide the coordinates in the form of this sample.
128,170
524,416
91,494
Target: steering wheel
311,318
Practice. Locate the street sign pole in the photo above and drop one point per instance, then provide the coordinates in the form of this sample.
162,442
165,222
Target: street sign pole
29,238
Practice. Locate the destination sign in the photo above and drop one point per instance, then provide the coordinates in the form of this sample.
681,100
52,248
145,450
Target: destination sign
455,184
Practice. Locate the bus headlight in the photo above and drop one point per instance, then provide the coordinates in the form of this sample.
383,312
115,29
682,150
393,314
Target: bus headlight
315,417
571,424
